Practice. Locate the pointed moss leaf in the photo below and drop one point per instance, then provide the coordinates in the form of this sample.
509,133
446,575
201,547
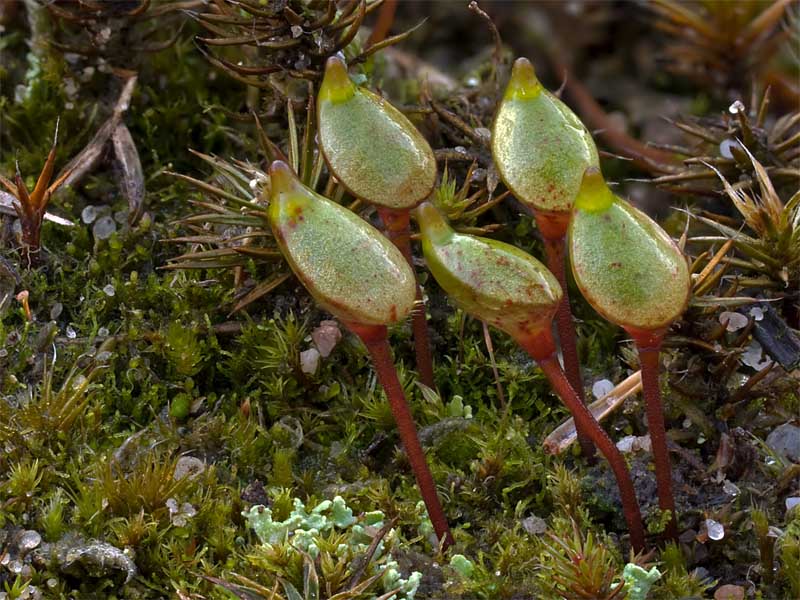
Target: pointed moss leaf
540,147
352,270
625,265
492,281
371,147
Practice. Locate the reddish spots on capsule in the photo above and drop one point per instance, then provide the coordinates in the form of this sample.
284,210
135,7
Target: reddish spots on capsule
393,312
503,261
616,265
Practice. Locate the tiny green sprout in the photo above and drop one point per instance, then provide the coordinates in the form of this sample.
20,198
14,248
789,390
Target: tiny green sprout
634,275
509,289
377,153
360,277
541,150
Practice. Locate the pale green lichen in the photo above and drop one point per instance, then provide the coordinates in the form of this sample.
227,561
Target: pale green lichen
638,581
303,530
457,408
462,565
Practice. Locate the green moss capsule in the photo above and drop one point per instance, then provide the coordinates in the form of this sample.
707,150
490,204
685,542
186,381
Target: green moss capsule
491,280
349,268
370,146
625,265
540,147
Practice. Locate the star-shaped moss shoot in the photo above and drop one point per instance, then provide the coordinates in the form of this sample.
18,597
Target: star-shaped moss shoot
634,275
360,277
378,154
31,206
511,290
541,150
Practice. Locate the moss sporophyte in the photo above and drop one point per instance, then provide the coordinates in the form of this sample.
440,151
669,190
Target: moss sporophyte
378,154
634,275
541,150
511,290
360,277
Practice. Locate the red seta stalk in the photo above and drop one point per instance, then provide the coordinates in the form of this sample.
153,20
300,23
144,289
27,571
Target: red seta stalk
542,349
649,346
375,339
397,224
553,228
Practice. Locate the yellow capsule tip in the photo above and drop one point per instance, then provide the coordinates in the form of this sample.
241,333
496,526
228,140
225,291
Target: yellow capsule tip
594,195
336,84
281,176
524,84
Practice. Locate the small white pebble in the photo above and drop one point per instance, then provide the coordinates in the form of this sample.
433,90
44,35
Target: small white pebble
736,107
726,147
735,321
109,290
716,530
601,388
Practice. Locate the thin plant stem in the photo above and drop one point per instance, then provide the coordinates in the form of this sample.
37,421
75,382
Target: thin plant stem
649,360
397,223
555,248
487,338
375,339
539,349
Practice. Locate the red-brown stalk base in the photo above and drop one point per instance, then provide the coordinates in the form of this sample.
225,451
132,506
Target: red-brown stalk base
648,344
553,227
375,339
542,350
397,224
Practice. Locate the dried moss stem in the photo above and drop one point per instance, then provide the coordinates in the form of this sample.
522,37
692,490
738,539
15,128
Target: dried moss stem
375,339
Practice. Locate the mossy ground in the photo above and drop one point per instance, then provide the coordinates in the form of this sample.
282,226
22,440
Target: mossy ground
124,369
